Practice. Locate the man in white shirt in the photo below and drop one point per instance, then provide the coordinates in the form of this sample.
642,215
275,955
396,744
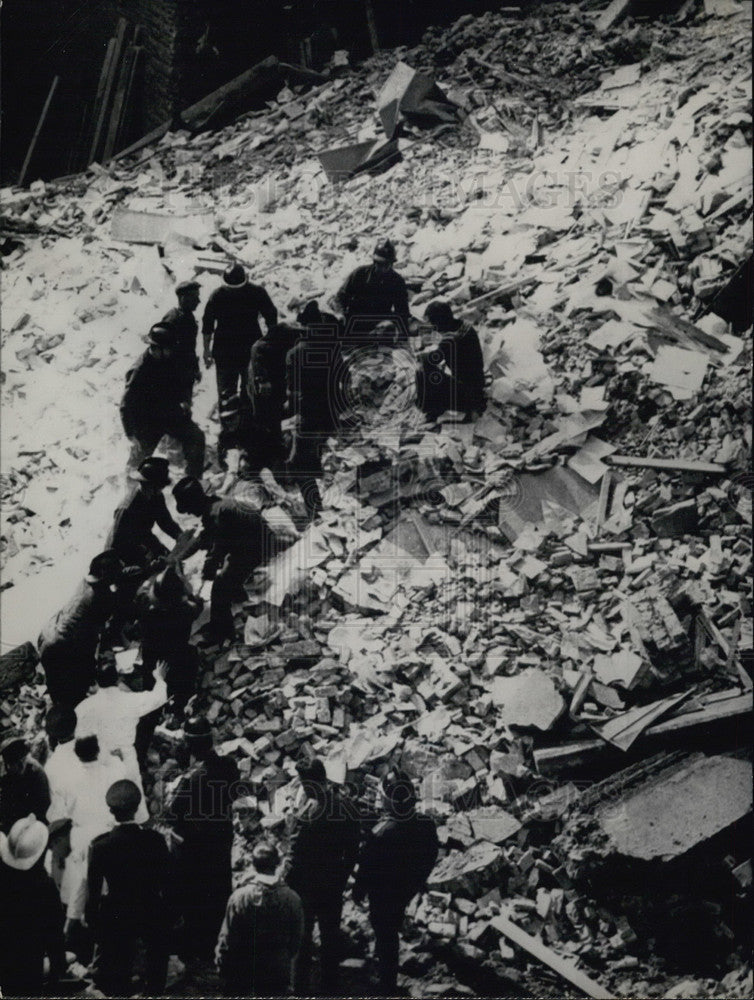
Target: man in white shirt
112,714
63,770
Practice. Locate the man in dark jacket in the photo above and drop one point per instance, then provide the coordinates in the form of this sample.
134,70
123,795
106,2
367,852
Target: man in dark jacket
200,813
166,608
131,536
68,643
182,321
24,787
237,540
128,882
31,917
230,327
452,373
266,387
324,847
154,403
261,932
395,863
373,294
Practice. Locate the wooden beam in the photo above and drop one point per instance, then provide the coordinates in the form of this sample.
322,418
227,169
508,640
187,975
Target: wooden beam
146,140
563,966
124,76
85,154
614,13
120,36
123,124
37,130
666,464
374,38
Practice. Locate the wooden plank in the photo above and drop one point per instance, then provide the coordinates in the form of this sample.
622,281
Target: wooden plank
374,38
120,36
84,156
127,105
37,130
563,966
146,140
614,13
665,464
118,102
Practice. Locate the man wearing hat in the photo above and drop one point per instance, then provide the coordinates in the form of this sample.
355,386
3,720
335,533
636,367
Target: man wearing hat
261,932
230,327
395,863
372,294
452,372
237,540
182,321
131,535
23,786
200,812
128,878
68,643
154,403
31,919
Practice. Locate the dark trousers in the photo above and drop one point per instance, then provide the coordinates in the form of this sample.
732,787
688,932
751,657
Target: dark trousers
229,374
386,918
268,448
114,956
326,912
227,589
69,673
303,467
182,670
177,425
203,894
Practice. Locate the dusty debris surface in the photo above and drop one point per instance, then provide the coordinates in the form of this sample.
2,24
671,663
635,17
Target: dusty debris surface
539,613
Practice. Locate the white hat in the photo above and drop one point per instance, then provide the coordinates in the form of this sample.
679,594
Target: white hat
25,844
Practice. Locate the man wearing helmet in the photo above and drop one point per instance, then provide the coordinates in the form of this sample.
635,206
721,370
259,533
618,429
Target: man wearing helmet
372,294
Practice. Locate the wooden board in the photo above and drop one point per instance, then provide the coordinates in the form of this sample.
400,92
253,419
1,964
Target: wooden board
107,92
666,464
37,130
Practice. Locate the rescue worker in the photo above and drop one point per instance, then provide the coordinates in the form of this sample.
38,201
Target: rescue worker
311,384
395,863
452,373
68,643
131,536
155,404
24,787
266,388
166,609
199,811
237,540
261,932
63,770
324,842
128,881
230,327
372,294
182,321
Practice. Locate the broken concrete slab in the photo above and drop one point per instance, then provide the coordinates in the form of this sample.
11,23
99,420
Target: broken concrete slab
529,699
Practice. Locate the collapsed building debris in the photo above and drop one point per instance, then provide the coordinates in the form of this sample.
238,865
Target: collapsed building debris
512,607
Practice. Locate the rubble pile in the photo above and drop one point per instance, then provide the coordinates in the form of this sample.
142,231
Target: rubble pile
513,607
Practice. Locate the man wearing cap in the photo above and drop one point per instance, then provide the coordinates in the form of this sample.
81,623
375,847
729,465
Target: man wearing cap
266,387
200,812
182,321
230,327
68,643
395,863
452,373
154,403
237,540
31,920
261,932
128,878
131,536
324,842
166,609
24,787
374,293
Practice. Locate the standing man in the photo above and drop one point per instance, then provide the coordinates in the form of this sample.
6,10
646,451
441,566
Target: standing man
182,321
372,294
31,919
230,327
395,863
155,402
131,536
266,387
68,643
324,848
24,787
452,375
128,880
200,813
63,770
237,540
261,932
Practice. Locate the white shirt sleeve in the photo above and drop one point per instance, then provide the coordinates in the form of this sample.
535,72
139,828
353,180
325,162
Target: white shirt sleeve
143,702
